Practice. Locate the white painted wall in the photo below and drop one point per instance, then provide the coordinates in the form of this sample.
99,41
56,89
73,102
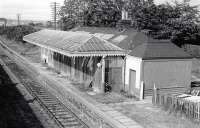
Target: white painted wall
47,55
44,54
133,63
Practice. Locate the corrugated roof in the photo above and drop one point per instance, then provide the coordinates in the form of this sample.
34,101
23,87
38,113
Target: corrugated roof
138,43
159,50
73,42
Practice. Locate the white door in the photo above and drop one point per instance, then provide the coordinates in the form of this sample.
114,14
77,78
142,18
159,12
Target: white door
132,80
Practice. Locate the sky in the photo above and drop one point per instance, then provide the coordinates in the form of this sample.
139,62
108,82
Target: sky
38,9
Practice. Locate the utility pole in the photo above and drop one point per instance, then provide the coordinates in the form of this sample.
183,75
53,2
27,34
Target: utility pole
55,10
18,18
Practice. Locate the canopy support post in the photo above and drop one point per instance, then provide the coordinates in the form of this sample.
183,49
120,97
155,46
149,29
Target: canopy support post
103,75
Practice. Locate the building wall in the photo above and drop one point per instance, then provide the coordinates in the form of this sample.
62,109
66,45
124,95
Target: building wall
167,73
44,55
133,63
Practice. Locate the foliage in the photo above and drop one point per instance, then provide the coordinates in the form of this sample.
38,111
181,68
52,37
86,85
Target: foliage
103,13
16,32
177,21
185,28
92,12
72,12
189,34
67,23
39,24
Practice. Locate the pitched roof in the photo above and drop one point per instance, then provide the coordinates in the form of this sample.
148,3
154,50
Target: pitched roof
159,50
125,39
138,43
74,43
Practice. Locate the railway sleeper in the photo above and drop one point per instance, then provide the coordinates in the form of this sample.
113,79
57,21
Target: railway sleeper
71,124
57,112
42,94
47,99
70,120
67,119
49,104
64,116
53,109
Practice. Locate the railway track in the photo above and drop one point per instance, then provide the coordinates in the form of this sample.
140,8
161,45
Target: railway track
61,114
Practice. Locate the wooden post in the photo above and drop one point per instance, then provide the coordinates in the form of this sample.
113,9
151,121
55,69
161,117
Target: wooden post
124,73
103,75
72,67
142,91
41,54
82,69
198,110
154,94
50,59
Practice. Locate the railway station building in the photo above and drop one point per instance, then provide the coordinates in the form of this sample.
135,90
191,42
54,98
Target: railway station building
115,60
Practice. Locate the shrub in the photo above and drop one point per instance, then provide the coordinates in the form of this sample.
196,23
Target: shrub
17,32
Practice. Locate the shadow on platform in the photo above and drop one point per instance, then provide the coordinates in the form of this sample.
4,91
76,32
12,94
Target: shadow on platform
15,111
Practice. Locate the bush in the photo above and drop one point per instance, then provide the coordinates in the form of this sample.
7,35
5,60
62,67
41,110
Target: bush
17,32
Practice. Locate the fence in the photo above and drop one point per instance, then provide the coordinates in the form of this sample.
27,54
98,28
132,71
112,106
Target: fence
185,104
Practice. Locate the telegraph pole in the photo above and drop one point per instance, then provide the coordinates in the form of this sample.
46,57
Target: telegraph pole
18,18
55,9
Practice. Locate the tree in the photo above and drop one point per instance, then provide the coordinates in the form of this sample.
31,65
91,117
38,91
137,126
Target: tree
189,34
92,12
73,11
103,13
185,29
67,23
177,21
17,32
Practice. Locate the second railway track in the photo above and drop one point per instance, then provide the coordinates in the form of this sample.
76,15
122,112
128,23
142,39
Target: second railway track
61,114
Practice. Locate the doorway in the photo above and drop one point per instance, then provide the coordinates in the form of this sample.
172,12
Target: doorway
132,81
113,77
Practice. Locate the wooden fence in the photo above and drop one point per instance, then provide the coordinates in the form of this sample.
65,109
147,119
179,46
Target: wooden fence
185,104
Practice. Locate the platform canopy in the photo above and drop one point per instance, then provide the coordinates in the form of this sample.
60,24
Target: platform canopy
74,43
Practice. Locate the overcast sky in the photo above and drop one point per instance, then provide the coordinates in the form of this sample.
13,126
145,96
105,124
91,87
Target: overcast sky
37,9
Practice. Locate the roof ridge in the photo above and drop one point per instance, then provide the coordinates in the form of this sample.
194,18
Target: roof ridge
109,43
85,41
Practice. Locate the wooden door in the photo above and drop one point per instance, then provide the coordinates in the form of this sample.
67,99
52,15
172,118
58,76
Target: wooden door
116,79
132,81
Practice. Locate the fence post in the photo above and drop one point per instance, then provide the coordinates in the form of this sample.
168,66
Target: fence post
154,98
142,91
198,109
